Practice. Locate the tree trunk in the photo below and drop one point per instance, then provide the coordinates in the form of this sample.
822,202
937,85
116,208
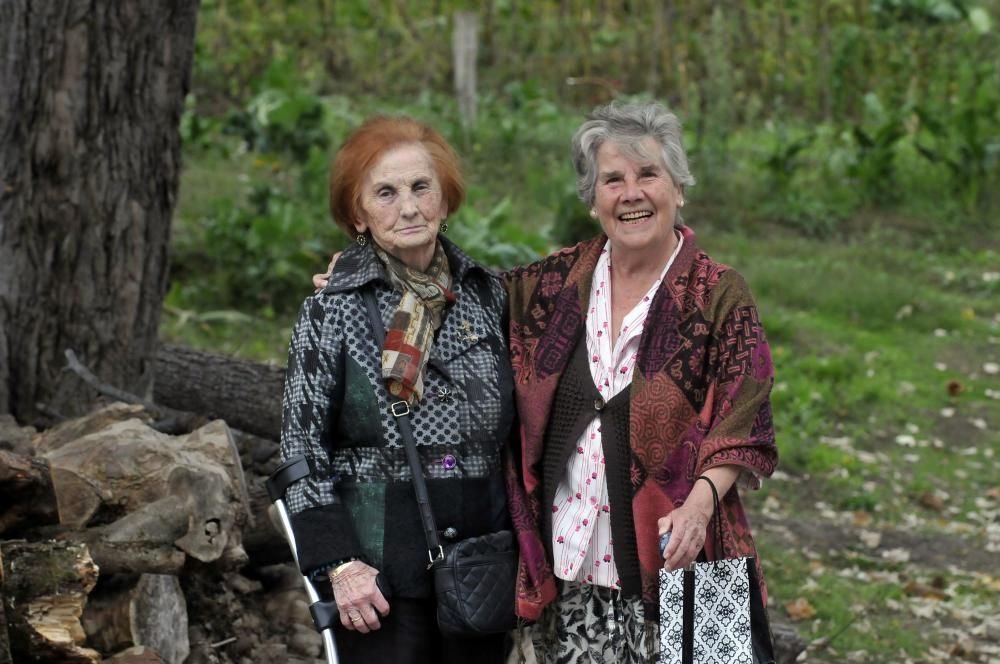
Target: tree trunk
247,395
44,588
89,166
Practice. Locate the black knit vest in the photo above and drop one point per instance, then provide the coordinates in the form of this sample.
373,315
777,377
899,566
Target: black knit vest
574,406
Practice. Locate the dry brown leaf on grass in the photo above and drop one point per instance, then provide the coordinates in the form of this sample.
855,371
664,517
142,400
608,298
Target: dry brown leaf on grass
965,648
916,589
800,609
862,518
931,501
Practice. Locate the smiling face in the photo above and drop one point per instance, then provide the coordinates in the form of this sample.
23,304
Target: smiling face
636,200
402,205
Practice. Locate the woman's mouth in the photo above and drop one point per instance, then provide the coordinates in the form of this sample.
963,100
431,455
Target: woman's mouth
632,217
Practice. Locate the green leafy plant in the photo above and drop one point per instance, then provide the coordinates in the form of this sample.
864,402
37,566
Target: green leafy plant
874,167
282,122
966,138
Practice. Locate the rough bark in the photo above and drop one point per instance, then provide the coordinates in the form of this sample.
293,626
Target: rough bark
146,611
45,587
89,168
247,395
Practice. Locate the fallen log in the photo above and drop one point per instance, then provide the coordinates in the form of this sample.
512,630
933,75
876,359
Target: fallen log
168,420
26,492
145,611
45,587
247,395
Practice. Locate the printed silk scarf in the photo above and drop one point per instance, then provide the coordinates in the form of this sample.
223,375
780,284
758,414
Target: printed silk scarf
410,334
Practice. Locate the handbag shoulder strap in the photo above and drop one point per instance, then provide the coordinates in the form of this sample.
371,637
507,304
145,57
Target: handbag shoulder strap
401,412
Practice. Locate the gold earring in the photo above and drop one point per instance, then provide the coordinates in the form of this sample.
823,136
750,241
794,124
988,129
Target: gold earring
593,213
361,239
444,226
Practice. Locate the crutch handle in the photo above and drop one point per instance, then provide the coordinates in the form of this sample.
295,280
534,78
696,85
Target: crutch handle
292,470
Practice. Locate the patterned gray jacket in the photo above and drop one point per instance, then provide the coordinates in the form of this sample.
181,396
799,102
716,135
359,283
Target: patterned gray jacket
358,500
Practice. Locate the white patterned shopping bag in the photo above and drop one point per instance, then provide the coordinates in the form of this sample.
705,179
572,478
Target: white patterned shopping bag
705,613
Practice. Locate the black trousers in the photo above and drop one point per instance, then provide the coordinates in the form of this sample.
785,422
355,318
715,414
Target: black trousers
410,635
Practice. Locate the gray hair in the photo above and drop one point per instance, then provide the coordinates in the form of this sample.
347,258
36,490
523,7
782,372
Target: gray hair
627,125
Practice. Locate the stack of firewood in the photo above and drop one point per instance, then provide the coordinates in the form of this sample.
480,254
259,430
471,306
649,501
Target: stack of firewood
101,516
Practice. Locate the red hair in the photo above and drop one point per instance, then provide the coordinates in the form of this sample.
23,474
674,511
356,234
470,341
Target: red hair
366,145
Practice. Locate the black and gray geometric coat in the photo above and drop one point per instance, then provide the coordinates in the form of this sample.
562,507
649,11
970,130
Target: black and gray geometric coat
358,500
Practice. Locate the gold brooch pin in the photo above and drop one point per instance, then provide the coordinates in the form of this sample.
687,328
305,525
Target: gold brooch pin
467,334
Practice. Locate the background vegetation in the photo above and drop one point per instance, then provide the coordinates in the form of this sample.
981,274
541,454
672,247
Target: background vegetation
847,155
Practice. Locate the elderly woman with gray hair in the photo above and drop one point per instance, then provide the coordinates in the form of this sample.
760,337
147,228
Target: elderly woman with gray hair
640,368
642,377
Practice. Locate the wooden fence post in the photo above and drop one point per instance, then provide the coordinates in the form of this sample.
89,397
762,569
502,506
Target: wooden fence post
465,45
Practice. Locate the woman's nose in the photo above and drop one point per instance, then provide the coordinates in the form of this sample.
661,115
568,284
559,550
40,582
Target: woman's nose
632,192
408,205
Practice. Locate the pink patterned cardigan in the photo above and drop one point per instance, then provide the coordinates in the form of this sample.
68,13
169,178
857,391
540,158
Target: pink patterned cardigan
699,399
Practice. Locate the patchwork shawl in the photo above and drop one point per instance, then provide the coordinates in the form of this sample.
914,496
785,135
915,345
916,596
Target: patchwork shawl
699,399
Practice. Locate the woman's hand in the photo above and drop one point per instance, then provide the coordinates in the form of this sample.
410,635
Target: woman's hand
320,280
358,598
687,526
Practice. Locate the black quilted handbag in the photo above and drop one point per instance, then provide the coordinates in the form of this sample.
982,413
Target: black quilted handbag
475,585
474,579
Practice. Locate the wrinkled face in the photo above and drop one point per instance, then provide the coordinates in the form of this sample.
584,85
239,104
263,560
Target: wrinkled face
635,201
402,205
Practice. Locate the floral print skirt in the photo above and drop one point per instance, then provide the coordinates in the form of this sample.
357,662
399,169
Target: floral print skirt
588,623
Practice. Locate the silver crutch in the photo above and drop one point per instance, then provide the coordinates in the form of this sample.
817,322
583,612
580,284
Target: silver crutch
324,614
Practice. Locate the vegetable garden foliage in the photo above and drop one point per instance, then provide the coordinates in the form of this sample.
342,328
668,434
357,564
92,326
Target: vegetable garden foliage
801,113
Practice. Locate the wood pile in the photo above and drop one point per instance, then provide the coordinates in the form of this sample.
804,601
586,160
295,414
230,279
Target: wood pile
107,526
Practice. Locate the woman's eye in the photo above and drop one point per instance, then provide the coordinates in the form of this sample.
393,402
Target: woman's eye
421,186
385,193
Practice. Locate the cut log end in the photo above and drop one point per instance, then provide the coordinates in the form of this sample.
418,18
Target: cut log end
45,587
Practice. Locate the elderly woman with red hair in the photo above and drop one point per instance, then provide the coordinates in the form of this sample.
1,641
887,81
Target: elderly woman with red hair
392,186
